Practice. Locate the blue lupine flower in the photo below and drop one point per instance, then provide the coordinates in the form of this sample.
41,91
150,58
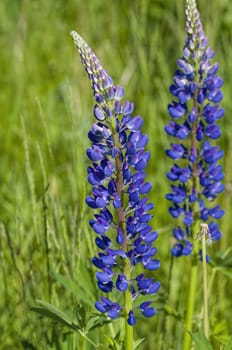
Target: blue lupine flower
107,306
119,193
147,310
195,111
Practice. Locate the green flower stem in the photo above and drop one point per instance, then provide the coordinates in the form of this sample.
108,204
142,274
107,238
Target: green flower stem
122,224
205,290
195,230
192,292
128,307
86,338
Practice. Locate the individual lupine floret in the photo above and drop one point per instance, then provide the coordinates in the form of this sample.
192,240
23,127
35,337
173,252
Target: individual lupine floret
195,112
119,194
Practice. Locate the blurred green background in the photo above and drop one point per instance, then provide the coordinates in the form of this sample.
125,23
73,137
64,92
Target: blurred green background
46,111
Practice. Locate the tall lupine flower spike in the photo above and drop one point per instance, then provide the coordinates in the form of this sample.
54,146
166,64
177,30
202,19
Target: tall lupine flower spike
119,196
196,174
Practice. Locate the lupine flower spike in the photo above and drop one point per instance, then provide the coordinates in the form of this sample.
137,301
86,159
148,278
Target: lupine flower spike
196,175
119,196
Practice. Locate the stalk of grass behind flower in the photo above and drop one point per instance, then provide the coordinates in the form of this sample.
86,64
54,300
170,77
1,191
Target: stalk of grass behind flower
30,176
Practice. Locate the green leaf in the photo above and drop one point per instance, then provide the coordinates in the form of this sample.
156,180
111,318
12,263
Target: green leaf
229,344
48,310
172,312
137,343
223,259
112,343
201,342
225,272
219,328
96,321
81,315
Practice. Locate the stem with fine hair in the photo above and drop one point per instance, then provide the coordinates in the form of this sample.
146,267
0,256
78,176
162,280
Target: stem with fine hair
195,229
127,265
205,289
128,307
192,293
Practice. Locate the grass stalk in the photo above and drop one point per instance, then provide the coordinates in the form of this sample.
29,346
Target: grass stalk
46,242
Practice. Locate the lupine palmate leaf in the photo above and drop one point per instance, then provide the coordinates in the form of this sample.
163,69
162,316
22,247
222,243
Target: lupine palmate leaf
48,310
96,321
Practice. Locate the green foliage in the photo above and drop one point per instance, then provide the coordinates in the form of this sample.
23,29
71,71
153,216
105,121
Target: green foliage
80,324
46,111
229,344
201,342
55,314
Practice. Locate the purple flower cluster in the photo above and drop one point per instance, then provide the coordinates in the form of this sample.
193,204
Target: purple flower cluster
196,175
119,194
